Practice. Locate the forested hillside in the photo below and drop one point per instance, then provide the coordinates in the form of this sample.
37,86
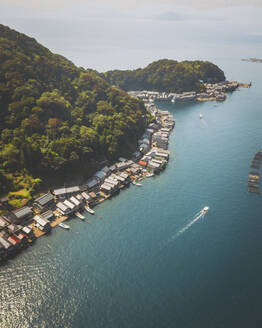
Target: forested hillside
57,119
167,75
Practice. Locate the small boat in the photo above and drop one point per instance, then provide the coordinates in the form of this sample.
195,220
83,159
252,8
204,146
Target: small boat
80,216
137,184
205,210
150,175
64,226
201,116
89,210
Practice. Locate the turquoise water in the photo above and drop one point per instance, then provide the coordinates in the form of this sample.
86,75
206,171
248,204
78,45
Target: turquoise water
138,266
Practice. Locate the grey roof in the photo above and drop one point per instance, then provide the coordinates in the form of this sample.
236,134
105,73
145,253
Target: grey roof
70,190
92,183
47,215
62,207
3,223
23,211
43,200
63,191
100,174
60,191
4,242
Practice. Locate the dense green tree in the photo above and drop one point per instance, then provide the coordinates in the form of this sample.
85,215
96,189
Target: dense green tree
56,118
167,75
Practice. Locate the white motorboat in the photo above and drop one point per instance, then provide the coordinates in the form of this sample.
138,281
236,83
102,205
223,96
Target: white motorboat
201,116
64,226
137,184
205,210
89,210
80,216
150,175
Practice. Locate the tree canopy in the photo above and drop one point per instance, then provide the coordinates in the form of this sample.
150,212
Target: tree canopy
56,118
167,75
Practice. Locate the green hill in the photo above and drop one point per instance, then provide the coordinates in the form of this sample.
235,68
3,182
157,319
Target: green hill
57,121
167,75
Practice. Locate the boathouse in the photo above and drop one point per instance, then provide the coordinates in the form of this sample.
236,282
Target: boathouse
44,202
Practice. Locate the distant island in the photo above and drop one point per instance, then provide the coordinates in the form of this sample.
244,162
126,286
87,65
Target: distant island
253,60
167,75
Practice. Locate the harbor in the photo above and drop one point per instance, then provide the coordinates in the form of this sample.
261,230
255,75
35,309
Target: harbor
21,227
211,92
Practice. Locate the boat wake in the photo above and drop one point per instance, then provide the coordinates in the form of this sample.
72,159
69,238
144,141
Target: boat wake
197,216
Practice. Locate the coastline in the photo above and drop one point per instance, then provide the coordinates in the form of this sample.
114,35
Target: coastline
21,227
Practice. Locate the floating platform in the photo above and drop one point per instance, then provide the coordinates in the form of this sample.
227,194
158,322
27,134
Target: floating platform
255,166
254,190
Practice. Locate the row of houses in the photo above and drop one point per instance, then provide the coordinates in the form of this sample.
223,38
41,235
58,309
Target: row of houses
213,91
157,155
15,232
152,155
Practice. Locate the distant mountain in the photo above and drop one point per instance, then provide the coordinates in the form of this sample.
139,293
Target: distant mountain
57,120
167,75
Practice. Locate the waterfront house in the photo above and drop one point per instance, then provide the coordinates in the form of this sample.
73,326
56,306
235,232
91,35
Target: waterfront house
86,196
142,163
22,216
70,205
43,224
3,223
14,241
93,198
62,193
154,167
48,215
63,208
107,188
29,232
8,247
44,202
100,175
113,168
92,184
75,201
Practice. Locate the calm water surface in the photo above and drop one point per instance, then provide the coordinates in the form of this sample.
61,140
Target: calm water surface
134,267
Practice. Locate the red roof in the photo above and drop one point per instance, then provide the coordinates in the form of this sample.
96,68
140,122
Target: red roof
15,239
142,163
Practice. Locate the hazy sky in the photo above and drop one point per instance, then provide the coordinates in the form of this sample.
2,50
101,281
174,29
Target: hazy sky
107,34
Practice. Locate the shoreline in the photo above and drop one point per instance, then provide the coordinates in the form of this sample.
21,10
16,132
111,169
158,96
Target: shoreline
23,226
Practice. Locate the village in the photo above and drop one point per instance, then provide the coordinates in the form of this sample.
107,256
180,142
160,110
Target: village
213,92
20,228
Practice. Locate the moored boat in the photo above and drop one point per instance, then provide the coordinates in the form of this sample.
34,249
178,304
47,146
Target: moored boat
80,216
64,226
89,210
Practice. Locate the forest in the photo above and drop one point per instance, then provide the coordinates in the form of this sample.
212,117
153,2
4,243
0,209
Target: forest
167,75
57,121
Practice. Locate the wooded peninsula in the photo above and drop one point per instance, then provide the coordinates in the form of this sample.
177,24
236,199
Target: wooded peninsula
59,122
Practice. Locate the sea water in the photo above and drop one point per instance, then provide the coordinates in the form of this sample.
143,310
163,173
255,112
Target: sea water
125,269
